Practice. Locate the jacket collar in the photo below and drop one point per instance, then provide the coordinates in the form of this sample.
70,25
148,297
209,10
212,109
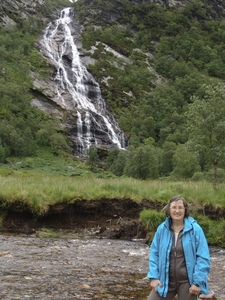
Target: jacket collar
188,223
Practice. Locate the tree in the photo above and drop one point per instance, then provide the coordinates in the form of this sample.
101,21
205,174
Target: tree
166,165
119,163
206,125
42,137
112,156
93,158
142,163
2,152
59,143
185,163
30,143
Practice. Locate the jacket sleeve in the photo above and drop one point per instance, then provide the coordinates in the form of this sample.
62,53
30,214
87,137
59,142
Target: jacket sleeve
202,266
154,257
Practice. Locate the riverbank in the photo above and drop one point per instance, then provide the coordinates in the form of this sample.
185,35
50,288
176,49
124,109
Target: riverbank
108,218
64,193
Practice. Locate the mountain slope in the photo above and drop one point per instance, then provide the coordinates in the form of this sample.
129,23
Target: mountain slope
149,57
176,46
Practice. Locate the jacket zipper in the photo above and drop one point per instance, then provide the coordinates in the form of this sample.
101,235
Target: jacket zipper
175,256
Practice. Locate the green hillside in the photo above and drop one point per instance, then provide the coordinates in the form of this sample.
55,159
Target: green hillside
156,66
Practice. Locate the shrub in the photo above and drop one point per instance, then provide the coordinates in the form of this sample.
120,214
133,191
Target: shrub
151,218
198,176
205,223
216,234
220,175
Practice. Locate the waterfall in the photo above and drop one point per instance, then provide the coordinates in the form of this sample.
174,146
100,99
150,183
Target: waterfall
76,89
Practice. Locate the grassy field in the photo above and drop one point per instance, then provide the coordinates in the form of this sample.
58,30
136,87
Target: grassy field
40,182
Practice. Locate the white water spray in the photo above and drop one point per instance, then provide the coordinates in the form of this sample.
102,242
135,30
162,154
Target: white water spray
77,89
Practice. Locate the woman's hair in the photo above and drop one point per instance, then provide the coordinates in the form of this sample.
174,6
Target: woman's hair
175,199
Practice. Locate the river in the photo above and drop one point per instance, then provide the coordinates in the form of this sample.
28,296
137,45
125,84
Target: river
81,267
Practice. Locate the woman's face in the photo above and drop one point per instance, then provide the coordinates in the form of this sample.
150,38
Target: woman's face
177,210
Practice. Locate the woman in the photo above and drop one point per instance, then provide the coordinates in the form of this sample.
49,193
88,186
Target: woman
179,261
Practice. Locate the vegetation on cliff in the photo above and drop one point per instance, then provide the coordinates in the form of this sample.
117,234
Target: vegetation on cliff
166,57
24,128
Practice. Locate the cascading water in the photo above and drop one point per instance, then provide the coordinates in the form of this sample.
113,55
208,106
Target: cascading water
77,90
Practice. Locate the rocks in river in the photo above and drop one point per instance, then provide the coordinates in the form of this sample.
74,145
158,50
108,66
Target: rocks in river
210,295
125,229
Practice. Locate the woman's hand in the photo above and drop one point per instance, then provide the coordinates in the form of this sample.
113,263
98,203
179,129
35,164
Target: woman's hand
194,289
154,284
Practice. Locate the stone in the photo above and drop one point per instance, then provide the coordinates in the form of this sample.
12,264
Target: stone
210,295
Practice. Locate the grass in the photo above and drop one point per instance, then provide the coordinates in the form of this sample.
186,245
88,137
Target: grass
38,182
47,233
38,190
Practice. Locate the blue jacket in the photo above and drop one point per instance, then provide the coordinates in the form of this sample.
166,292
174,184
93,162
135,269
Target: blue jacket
196,254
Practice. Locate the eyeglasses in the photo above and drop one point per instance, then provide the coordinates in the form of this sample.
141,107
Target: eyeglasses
176,208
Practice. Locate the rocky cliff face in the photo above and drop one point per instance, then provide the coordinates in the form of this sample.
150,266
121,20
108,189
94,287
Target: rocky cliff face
71,93
73,90
216,4
21,8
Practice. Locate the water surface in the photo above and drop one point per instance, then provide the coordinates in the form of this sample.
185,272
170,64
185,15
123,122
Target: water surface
75,267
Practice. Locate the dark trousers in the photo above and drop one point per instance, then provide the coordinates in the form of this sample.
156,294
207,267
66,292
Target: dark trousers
182,290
